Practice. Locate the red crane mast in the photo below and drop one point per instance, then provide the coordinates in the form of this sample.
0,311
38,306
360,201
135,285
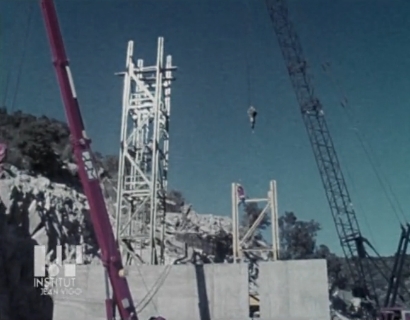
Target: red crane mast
110,254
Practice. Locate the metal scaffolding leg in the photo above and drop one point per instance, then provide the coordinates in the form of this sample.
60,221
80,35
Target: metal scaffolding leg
240,238
143,159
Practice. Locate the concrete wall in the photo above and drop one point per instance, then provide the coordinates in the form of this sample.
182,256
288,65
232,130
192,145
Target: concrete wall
288,290
174,292
294,290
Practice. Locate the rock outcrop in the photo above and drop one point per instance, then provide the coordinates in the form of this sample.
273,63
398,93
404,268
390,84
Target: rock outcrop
19,299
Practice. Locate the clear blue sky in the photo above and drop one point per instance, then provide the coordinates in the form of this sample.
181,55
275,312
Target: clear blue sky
367,43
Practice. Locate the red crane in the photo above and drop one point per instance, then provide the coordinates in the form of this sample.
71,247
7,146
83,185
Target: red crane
110,254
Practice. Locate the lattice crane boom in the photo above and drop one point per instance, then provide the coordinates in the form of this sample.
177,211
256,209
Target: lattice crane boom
326,158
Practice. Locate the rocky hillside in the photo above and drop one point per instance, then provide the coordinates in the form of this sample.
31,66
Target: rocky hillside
55,214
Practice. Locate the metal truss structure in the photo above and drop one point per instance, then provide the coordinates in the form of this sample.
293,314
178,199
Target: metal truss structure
241,238
143,159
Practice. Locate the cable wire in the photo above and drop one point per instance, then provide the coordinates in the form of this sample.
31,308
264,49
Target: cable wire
6,90
143,303
355,189
10,64
248,55
23,56
360,137
154,289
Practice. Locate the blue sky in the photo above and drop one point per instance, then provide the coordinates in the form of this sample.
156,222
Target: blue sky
366,42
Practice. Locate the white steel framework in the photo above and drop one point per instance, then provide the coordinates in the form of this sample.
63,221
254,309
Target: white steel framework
144,155
241,238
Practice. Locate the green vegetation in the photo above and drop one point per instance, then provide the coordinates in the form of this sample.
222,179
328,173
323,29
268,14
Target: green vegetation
41,145
35,144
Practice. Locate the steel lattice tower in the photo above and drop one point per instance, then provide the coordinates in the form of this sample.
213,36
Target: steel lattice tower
144,154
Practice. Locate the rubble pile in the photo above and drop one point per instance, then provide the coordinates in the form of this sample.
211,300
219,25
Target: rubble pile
55,214
19,299
50,213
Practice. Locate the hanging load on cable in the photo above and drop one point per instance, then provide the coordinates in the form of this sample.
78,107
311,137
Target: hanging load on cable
252,113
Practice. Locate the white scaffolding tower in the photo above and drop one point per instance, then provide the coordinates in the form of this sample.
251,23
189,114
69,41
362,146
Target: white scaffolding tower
143,160
241,238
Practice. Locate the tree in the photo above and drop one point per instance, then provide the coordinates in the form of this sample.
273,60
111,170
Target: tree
298,241
175,201
336,273
252,212
297,238
110,163
36,145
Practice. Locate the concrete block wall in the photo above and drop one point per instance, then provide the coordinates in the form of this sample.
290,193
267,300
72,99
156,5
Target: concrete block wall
294,290
210,292
291,290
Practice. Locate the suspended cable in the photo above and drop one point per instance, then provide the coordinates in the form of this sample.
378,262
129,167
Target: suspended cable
248,55
375,164
248,76
378,175
349,113
8,76
377,171
154,289
366,221
381,177
6,89
24,49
